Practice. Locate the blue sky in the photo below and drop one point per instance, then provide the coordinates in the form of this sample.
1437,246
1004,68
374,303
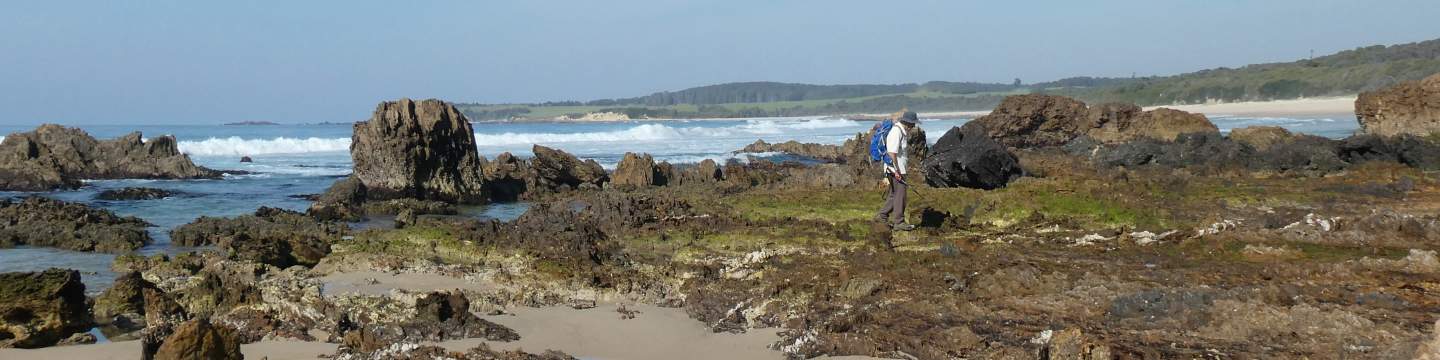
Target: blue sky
177,62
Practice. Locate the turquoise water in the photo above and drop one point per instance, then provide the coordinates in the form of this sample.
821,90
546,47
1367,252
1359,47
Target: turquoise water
292,160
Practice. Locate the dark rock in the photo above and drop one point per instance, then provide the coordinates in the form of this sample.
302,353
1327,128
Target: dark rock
506,177
272,236
199,339
965,157
422,150
135,302
57,157
637,171
1301,153
1410,150
557,171
39,221
133,193
1196,149
342,201
246,159
1409,108
39,309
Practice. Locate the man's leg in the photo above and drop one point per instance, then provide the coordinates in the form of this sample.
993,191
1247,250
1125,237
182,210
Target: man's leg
897,202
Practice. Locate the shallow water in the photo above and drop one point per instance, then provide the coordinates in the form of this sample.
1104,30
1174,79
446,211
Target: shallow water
292,160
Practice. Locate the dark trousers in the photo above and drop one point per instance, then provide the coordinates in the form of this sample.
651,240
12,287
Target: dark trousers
894,209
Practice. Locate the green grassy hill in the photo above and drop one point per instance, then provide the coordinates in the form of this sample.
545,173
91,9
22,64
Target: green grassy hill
1345,73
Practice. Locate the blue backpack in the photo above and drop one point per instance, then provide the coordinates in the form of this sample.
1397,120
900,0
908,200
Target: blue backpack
877,141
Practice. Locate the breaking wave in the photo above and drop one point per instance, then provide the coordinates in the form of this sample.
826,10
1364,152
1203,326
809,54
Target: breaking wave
657,132
236,146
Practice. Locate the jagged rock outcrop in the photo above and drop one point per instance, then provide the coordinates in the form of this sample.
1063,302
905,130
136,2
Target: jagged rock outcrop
39,309
437,316
506,177
40,221
200,340
827,153
553,170
639,171
271,236
705,172
967,157
1031,121
1409,108
57,157
132,303
133,193
422,150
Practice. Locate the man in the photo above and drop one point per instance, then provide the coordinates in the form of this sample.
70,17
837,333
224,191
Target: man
894,210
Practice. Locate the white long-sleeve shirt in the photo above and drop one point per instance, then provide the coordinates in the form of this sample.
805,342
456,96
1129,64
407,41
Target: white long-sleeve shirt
895,143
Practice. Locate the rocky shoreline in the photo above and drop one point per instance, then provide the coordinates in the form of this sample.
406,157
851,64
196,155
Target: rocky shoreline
1049,229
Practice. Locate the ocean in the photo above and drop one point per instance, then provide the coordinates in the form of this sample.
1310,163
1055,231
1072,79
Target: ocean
294,160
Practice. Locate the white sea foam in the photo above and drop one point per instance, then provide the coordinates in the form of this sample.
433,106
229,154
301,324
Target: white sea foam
236,146
658,132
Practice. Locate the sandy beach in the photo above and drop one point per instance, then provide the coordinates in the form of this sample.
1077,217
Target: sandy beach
655,333
1279,108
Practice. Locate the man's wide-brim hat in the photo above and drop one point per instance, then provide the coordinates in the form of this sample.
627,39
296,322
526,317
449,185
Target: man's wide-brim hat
908,117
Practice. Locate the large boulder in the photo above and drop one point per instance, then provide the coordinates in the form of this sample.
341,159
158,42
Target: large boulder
1159,124
1032,121
40,221
422,150
1262,137
557,171
271,236
1025,121
39,309
57,157
637,171
200,340
1411,107
967,157
344,200
133,302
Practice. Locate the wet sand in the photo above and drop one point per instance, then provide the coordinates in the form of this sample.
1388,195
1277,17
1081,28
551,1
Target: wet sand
130,350
599,333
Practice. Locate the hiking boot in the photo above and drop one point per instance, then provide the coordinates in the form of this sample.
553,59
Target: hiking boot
902,227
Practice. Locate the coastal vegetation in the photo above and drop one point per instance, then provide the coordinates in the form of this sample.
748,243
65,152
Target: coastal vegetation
1341,74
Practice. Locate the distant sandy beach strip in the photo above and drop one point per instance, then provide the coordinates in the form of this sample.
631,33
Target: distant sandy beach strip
1329,106
1279,108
